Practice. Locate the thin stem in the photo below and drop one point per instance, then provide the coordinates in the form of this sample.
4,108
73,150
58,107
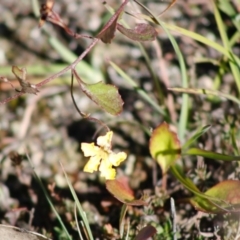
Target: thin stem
56,75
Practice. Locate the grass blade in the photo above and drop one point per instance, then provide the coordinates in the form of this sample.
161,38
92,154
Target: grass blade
140,91
49,201
227,46
79,207
207,92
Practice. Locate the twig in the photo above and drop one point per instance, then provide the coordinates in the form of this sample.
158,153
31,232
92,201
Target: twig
56,75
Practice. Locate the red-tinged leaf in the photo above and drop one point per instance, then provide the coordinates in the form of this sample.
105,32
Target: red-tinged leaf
164,146
104,95
108,31
120,190
141,33
146,232
226,198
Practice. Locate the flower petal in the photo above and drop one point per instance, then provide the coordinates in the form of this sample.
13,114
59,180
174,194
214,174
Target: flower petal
107,171
102,158
105,141
89,149
92,165
116,158
109,174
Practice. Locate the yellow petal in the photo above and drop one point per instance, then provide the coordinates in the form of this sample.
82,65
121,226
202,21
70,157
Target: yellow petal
107,172
110,174
105,141
102,157
92,164
116,159
89,149
106,169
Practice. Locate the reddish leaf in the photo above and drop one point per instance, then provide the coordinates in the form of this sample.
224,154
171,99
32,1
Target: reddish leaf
164,146
142,32
223,197
107,33
121,191
146,233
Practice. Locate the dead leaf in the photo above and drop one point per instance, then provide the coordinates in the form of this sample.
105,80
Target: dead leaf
20,74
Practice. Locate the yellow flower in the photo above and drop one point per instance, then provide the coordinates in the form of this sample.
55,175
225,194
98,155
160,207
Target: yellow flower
102,157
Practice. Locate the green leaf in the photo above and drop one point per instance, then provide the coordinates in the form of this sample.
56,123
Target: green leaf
105,95
210,154
164,146
228,198
141,33
120,190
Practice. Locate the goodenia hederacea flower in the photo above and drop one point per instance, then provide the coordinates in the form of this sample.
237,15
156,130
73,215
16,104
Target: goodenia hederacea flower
102,158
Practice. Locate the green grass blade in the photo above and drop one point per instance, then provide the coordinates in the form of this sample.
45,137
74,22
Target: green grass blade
185,98
184,109
234,141
207,92
205,41
186,182
87,73
210,154
122,219
228,9
79,207
198,134
227,46
197,37
189,184
141,92
49,201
